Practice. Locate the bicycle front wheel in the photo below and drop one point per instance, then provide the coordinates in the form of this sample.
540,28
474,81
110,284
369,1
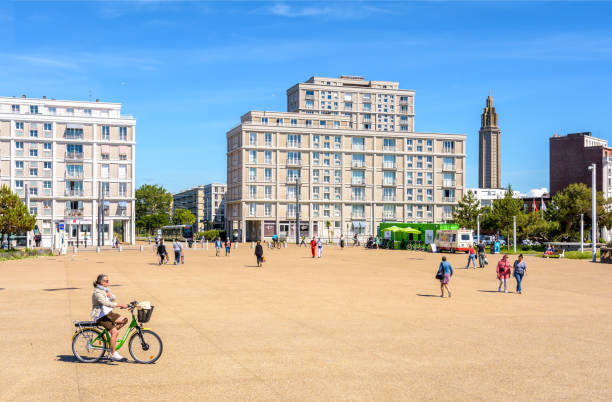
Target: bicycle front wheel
145,347
88,346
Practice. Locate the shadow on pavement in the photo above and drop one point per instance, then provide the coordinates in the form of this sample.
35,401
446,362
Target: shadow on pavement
56,289
493,291
418,294
72,359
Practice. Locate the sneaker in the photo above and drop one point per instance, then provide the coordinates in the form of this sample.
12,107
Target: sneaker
116,357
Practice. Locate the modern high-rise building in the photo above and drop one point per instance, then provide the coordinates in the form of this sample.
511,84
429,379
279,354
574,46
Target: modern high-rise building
64,153
206,202
347,151
489,153
570,157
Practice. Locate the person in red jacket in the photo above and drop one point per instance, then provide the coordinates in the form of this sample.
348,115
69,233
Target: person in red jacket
503,273
313,246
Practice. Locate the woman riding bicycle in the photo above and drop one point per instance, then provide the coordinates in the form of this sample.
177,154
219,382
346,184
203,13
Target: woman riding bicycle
102,301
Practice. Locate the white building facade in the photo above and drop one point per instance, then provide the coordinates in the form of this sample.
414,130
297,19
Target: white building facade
59,156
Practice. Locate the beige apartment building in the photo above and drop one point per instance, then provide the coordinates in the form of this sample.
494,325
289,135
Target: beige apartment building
206,202
352,175
58,155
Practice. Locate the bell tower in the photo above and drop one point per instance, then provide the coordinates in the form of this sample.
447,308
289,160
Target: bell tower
489,156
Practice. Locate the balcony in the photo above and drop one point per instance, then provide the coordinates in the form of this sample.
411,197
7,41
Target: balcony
73,212
448,150
388,148
19,133
294,162
389,198
358,163
358,147
47,134
357,216
74,136
389,165
310,97
448,183
294,144
358,197
449,199
74,192
389,216
19,172
78,156
448,167
292,179
74,174
46,211
389,182
358,182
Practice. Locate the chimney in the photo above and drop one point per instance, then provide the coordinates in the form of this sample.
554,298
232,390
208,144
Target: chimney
23,96
97,100
44,96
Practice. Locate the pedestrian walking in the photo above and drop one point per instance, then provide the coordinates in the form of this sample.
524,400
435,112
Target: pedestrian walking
320,247
342,242
482,259
520,270
162,253
217,246
303,241
313,246
156,241
259,253
355,240
445,271
177,251
503,273
228,247
471,257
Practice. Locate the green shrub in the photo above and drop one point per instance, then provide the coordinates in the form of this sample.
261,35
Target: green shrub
577,255
210,235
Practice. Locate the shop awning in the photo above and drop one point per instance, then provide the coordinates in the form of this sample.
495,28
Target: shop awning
105,149
123,150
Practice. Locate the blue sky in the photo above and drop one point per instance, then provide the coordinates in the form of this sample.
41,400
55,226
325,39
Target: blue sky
188,70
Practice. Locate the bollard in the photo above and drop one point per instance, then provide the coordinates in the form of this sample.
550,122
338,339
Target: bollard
97,249
252,244
206,244
141,248
74,250
268,243
120,248
236,245
285,244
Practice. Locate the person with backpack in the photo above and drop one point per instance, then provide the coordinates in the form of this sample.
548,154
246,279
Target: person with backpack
259,253
520,270
471,258
445,271
228,247
503,273
162,253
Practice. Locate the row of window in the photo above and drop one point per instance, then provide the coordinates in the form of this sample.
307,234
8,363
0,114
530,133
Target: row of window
71,132
357,211
38,109
75,187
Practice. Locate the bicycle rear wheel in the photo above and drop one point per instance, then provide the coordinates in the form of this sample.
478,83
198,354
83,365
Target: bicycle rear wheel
146,349
88,346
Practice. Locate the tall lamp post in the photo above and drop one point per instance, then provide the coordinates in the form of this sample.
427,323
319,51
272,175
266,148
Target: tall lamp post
297,211
593,169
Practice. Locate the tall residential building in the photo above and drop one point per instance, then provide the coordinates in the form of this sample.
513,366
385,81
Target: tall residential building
351,176
206,202
489,154
64,153
570,157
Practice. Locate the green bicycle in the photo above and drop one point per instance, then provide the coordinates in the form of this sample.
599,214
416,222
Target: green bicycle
90,342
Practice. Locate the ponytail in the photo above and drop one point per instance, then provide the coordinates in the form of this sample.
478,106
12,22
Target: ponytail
98,279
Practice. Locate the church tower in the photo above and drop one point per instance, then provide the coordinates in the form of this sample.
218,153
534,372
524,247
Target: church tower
489,166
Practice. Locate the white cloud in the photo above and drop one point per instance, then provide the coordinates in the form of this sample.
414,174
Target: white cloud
341,10
537,192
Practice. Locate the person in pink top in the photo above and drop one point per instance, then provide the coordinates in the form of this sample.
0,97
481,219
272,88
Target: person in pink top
503,273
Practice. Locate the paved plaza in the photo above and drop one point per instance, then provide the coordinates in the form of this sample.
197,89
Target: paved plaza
355,325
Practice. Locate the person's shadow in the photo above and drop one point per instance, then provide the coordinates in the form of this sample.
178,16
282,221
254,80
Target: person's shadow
423,295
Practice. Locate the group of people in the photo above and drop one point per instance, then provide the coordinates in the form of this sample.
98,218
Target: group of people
316,244
219,244
503,271
162,253
482,258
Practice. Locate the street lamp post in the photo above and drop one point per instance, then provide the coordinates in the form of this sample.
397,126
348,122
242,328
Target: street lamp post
581,233
593,169
514,231
297,211
478,228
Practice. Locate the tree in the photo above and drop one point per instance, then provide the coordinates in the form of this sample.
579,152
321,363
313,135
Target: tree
538,228
568,204
327,225
183,217
152,200
502,212
467,210
152,222
14,214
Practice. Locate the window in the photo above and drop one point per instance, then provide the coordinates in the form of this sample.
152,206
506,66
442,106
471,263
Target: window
252,191
18,145
47,146
429,161
252,209
429,144
87,112
337,210
315,175
46,165
122,171
315,158
315,210
291,210
337,176
389,161
264,120
105,187
279,122
252,156
268,157
267,174
33,109
19,183
294,122
389,144
429,178
293,175
357,211
367,107
358,143
308,123
448,146
268,139
322,123
338,159
74,133
268,209
15,108
408,194
33,152
336,124
294,158
388,211
408,177
388,178
33,133
448,180
18,164
33,172
123,189
358,194
429,194
291,193
358,177
294,140
252,174
52,110
123,133
268,192
47,126
104,171
315,193
253,139
388,194
18,125
315,141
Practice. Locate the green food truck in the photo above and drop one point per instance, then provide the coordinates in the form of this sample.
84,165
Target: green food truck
410,236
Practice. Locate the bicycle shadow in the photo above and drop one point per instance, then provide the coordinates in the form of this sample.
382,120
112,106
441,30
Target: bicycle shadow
423,295
105,361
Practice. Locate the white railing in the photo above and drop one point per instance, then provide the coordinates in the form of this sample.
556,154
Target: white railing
74,155
73,193
389,165
449,199
448,183
358,181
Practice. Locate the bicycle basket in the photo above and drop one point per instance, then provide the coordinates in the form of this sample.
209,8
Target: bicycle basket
145,315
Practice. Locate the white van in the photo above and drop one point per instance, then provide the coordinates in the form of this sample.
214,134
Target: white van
454,240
